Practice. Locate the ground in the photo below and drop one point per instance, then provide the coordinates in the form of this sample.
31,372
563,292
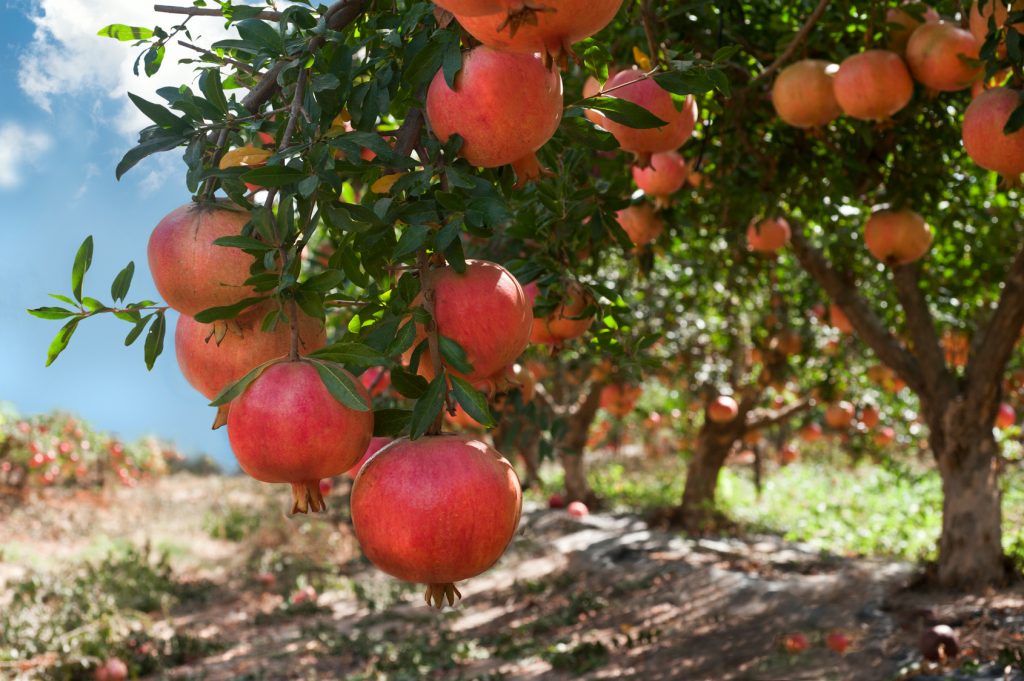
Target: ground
596,598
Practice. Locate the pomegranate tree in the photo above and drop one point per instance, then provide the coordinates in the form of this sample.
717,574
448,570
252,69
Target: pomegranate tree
287,426
984,139
803,94
633,86
897,237
436,511
496,127
943,57
873,85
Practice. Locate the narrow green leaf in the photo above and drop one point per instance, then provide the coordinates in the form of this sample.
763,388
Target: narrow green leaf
340,384
238,387
156,113
122,282
273,176
125,33
412,240
390,422
212,89
408,384
83,260
63,299
147,148
246,243
214,314
625,112
52,313
139,327
261,34
61,340
455,356
155,339
351,353
428,407
473,401
154,58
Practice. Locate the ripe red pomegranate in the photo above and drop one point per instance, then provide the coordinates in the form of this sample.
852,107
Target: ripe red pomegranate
789,454
803,96
837,642
376,379
665,175
306,594
556,501
902,24
984,139
209,366
287,427
577,509
723,409
189,271
485,311
619,399
550,29
562,324
935,55
641,223
768,235
839,320
839,415
497,129
472,8
796,643
113,669
645,92
897,237
436,510
811,432
870,416
884,436
983,10
873,85
376,444
1006,416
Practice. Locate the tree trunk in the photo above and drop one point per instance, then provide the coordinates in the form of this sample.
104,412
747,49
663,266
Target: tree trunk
970,549
573,444
697,512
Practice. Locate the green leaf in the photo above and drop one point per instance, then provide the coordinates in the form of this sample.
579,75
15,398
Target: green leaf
83,260
92,304
246,243
147,148
156,113
390,422
351,353
155,339
262,34
212,89
412,240
625,112
63,299
404,339
154,58
408,384
1016,120
455,356
425,63
123,32
473,401
60,341
273,176
340,384
214,314
238,387
122,282
428,407
52,313
137,330
325,281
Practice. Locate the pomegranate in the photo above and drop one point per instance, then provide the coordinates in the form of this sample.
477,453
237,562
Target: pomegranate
563,323
665,175
870,416
884,436
549,27
1006,416
556,501
840,322
592,87
641,223
902,24
287,427
189,271
210,365
113,669
936,55
897,237
768,235
436,510
325,487
789,454
498,129
376,379
376,444
998,11
306,594
723,409
472,8
837,642
645,92
485,311
803,96
956,347
839,415
811,432
984,139
577,509
796,643
619,399
873,85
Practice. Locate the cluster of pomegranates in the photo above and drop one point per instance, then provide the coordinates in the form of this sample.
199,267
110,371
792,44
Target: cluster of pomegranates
876,84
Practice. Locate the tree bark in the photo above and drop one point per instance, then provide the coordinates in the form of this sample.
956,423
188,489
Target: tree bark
698,512
573,444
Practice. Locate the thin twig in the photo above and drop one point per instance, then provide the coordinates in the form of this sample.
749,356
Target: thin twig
646,16
266,15
241,66
794,44
218,152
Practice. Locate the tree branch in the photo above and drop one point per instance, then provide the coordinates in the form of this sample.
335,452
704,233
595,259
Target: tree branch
766,419
241,66
867,324
927,348
795,43
997,340
201,12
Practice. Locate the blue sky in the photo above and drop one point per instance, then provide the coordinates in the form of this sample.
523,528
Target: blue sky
63,127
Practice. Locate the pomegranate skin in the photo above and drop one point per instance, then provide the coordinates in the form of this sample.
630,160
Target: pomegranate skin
560,325
191,273
803,95
665,175
873,85
436,510
934,56
641,223
287,427
550,32
897,237
209,367
838,319
619,399
768,236
649,95
983,135
904,24
485,310
472,8
723,409
376,444
839,415
497,129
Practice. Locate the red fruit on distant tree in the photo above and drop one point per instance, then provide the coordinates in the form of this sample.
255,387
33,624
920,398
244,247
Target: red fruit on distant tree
839,320
564,323
897,237
902,24
633,87
789,454
497,129
796,643
190,272
768,236
619,399
287,427
210,364
885,436
641,223
723,409
803,94
870,416
839,415
940,57
873,85
376,444
984,139
485,311
665,175
1006,416
837,641
436,510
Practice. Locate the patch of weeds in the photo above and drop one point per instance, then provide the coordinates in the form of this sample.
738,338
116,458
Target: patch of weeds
231,523
378,595
579,658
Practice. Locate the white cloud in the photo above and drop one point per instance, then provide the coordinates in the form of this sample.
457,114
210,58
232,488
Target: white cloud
66,57
19,149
